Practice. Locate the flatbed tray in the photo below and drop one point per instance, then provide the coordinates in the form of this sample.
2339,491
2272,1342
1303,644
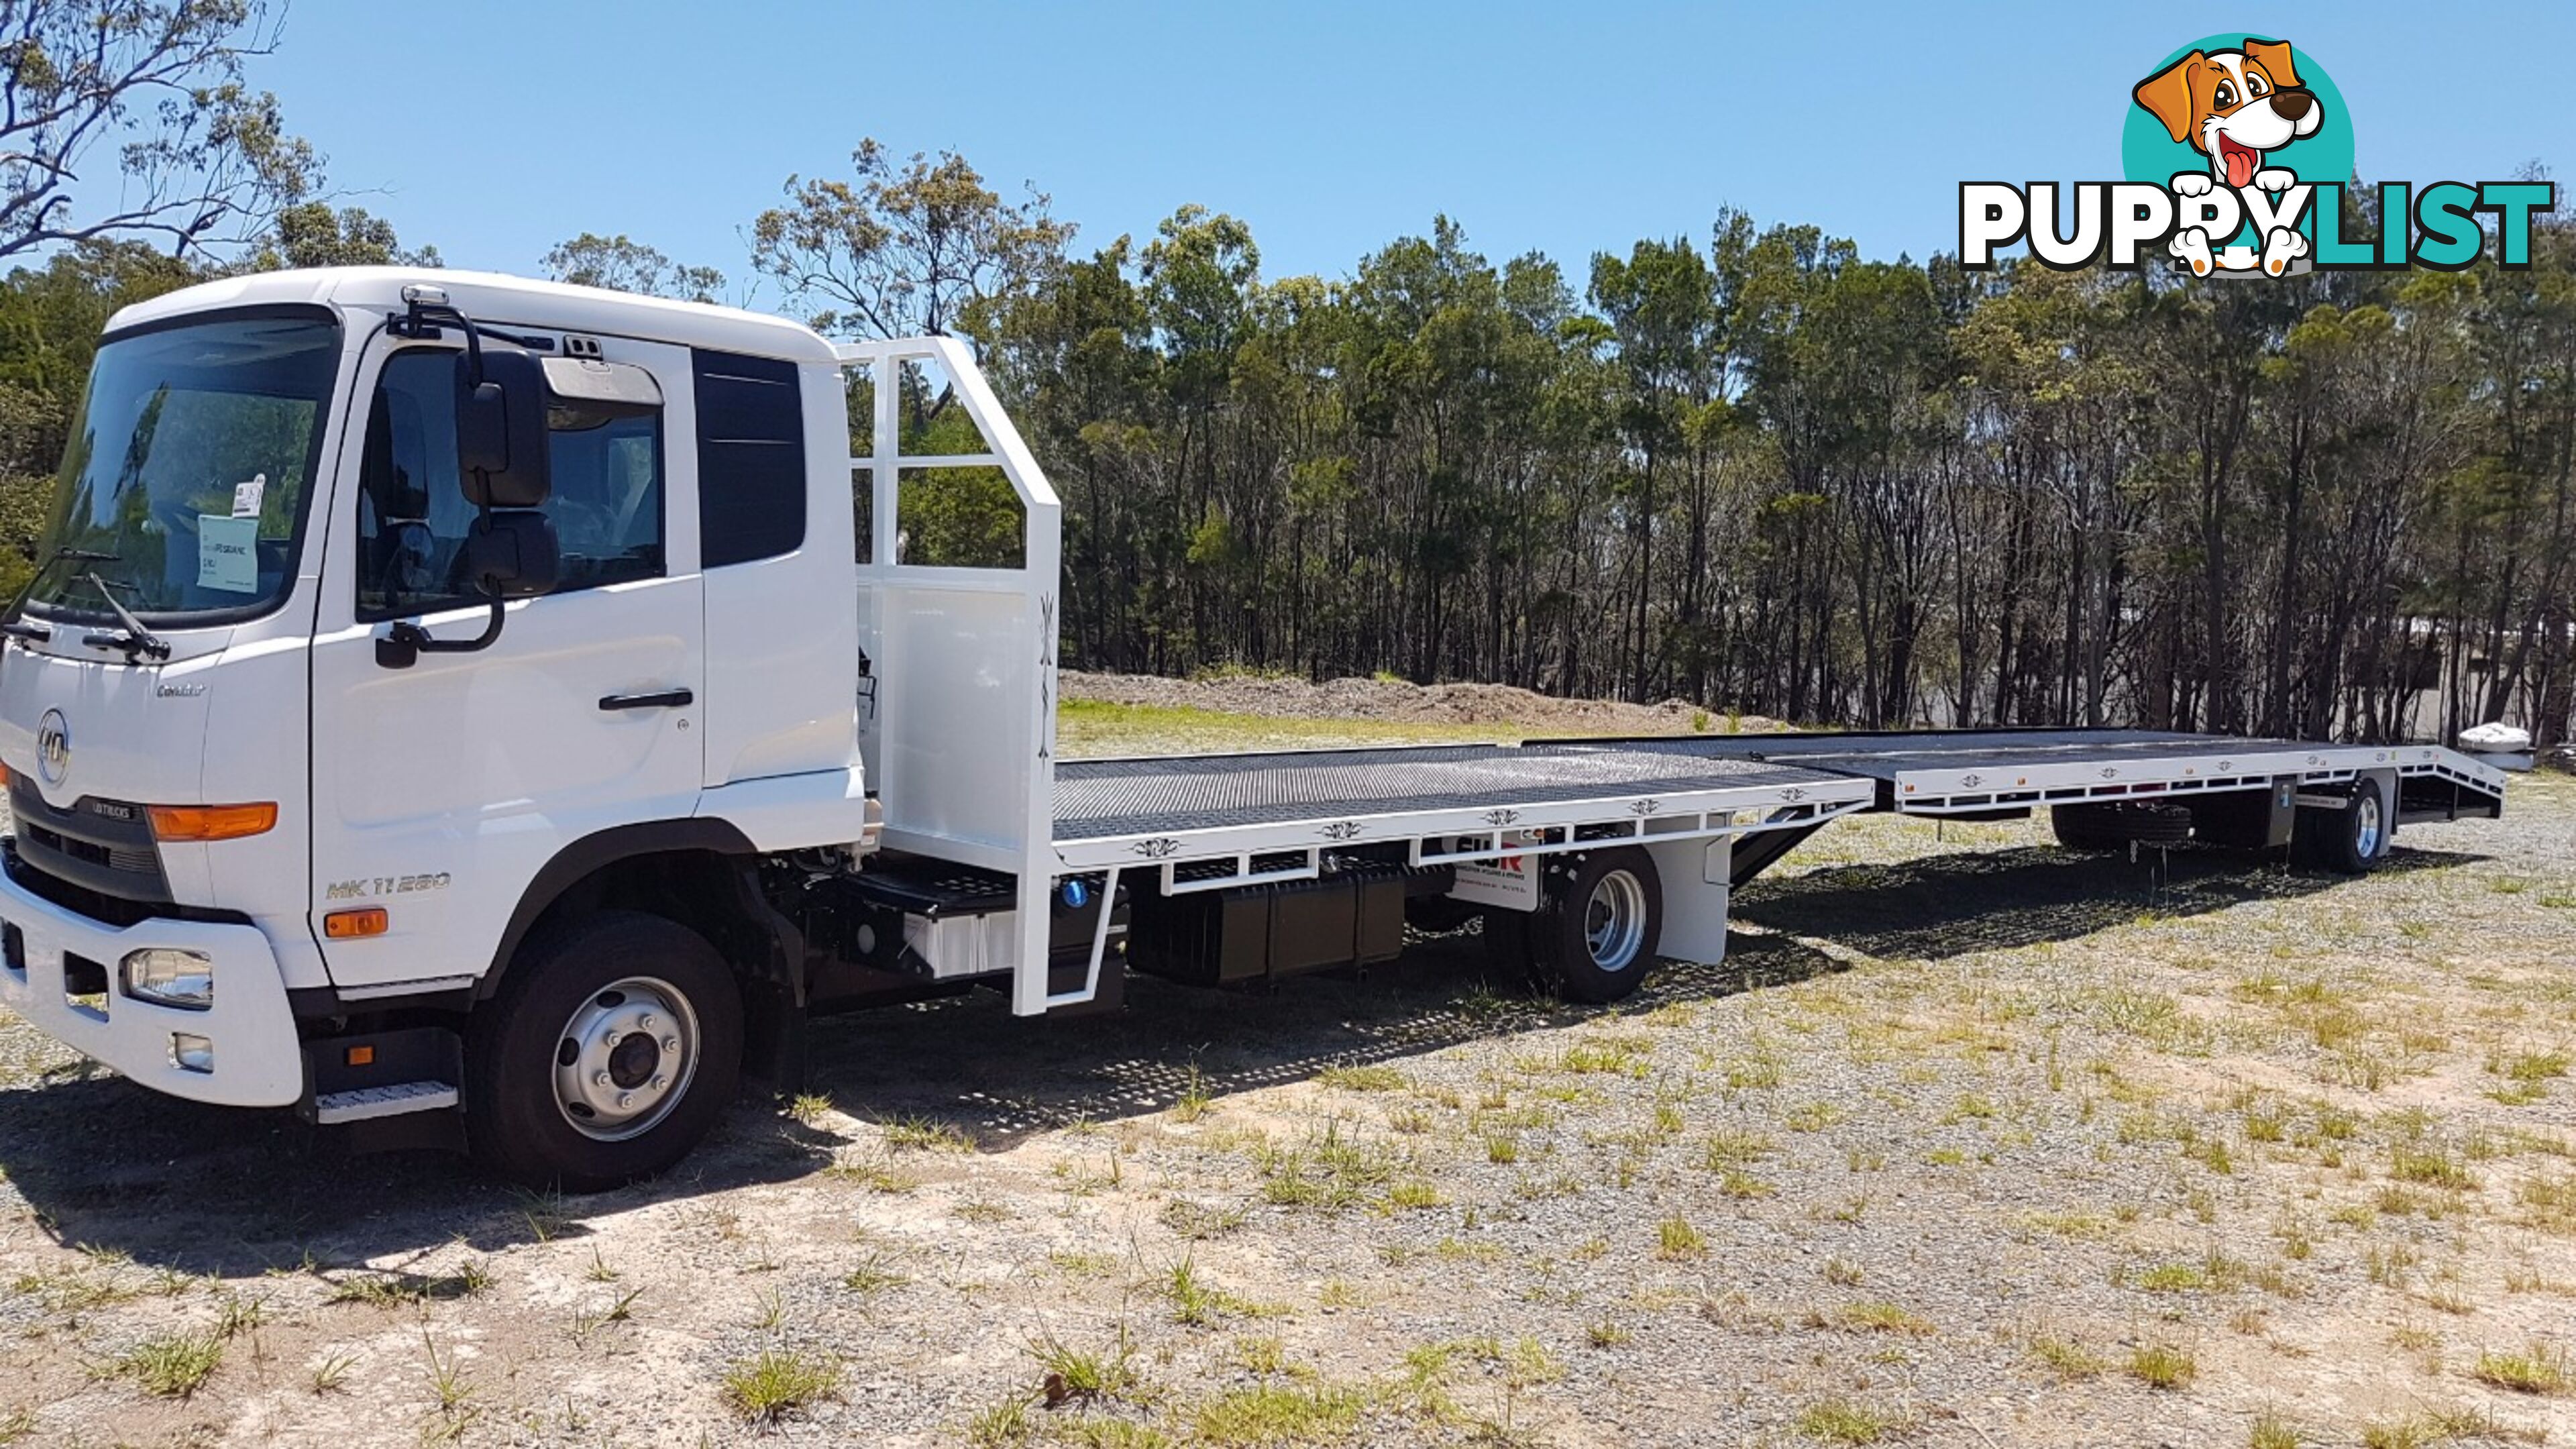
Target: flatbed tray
1190,806
1945,771
1166,795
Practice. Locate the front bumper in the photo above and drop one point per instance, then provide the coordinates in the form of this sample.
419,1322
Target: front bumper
257,1062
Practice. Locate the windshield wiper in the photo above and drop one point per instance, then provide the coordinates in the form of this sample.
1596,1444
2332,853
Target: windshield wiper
17,625
134,639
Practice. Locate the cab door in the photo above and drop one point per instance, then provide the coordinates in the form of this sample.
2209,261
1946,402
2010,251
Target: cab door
441,789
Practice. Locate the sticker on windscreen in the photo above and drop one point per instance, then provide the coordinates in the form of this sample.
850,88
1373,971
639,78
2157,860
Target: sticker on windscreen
247,496
228,554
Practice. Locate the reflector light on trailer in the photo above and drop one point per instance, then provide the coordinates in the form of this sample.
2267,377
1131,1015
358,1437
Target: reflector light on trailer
359,1056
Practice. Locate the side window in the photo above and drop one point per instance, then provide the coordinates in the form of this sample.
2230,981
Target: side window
751,458
412,516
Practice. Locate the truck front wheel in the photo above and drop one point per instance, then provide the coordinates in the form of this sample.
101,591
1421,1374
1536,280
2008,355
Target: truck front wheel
608,1052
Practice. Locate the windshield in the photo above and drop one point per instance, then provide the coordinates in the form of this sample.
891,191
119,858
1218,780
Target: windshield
183,487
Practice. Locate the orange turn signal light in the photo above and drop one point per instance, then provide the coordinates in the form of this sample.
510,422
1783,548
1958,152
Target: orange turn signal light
212,822
350,925
359,1056
4,777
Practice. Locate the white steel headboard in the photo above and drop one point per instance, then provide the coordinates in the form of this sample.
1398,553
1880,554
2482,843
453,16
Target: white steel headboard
960,745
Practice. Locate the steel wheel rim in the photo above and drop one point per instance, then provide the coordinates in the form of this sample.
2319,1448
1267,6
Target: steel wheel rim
1614,921
625,1058
2365,830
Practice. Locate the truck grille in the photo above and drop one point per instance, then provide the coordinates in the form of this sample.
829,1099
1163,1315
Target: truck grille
103,847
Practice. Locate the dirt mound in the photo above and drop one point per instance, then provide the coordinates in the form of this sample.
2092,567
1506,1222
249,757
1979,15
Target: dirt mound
1401,701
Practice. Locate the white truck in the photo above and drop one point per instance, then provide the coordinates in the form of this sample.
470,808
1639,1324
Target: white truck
487,712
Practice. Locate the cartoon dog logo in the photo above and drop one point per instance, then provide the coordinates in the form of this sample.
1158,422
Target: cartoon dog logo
2235,107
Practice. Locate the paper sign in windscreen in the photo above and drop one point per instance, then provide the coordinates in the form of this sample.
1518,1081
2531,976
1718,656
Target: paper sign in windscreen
228,554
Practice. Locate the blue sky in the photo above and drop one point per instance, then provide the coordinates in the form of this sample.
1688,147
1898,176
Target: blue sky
1331,128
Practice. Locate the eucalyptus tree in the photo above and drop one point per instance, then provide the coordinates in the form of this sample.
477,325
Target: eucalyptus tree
617,263
198,162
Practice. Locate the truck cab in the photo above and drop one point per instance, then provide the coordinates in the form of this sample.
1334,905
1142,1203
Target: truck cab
330,729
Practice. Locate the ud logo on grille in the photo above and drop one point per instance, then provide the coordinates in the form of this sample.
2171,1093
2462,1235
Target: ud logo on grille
54,747
2237,150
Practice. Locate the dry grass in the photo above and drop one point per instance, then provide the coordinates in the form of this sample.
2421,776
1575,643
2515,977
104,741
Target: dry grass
2265,1146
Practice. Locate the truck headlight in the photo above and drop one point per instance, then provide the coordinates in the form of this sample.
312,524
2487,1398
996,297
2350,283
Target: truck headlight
168,977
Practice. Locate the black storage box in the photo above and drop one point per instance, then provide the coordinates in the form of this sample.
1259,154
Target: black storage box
1252,932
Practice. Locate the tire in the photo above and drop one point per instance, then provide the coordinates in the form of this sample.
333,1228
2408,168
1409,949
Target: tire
590,991
2076,830
1596,937
2352,840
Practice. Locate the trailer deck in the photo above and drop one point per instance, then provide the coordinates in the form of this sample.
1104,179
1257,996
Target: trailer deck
1977,771
1476,801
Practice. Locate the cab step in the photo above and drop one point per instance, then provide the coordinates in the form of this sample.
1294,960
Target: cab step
361,1104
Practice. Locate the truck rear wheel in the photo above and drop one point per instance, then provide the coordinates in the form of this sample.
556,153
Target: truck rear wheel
1596,936
609,1051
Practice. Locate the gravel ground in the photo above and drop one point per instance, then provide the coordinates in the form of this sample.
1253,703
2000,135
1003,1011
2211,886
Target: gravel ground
1969,1141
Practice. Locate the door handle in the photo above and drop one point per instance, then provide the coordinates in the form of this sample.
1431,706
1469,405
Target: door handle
649,699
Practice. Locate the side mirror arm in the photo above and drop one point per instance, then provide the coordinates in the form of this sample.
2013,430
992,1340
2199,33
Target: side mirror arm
401,646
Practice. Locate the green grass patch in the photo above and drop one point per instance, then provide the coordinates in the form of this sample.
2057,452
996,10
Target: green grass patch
927,1134
1276,1414
1840,1420
1362,1078
170,1365
1676,1238
2535,1369
778,1382
2163,1366
1875,1317
1085,1374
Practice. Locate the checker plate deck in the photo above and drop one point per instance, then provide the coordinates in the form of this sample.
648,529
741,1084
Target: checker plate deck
1097,799
1102,798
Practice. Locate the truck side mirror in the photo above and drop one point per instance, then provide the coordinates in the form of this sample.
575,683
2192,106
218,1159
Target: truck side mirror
501,449
510,553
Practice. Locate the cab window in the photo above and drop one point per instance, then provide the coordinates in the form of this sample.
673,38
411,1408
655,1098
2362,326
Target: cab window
412,515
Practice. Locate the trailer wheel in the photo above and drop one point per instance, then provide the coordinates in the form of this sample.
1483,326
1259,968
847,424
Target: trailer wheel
2076,831
609,1051
1597,935
2351,840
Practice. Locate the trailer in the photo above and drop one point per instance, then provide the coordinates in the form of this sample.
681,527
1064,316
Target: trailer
497,714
